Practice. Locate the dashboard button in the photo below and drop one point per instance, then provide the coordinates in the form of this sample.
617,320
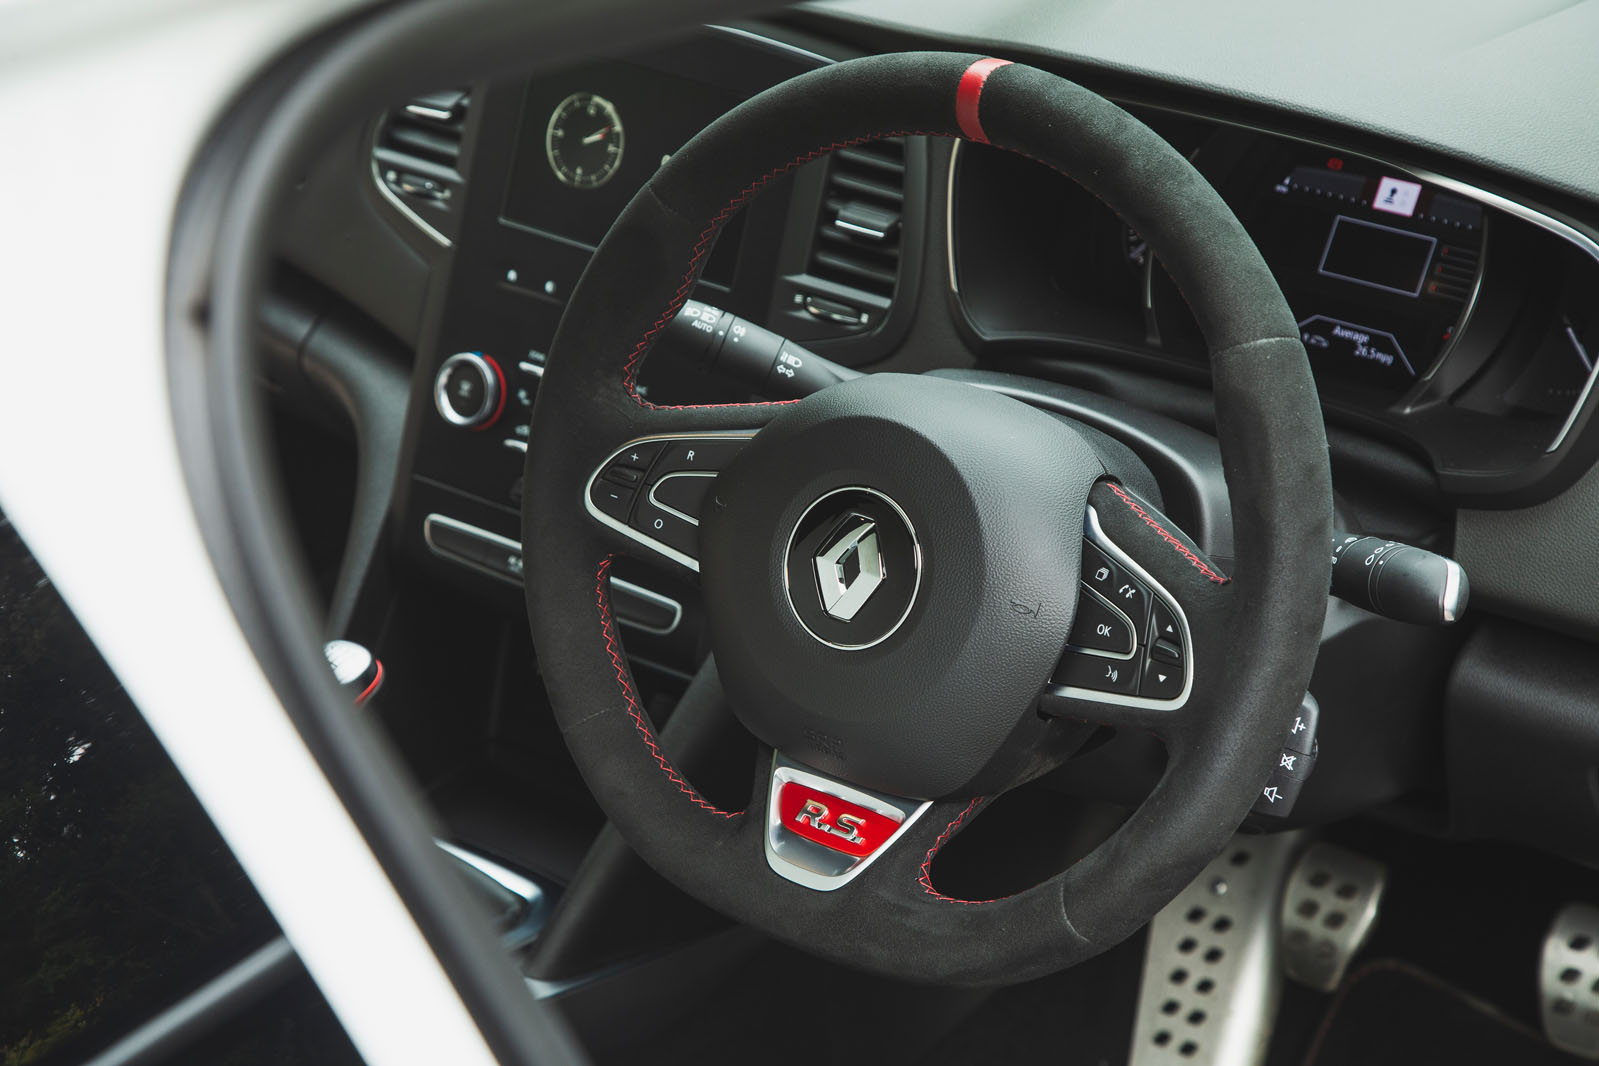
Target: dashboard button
1098,673
1099,626
469,390
613,500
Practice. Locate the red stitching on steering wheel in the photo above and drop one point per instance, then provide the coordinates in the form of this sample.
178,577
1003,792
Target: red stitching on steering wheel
926,880
1182,549
633,709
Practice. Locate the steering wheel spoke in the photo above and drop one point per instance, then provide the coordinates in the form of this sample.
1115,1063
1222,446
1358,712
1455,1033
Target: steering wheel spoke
652,490
822,832
1132,658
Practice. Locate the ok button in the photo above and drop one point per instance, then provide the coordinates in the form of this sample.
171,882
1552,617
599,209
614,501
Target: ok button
1099,626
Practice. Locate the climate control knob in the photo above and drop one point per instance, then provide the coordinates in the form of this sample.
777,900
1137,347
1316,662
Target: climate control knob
470,390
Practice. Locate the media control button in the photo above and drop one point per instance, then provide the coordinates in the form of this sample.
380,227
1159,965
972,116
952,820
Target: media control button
1099,626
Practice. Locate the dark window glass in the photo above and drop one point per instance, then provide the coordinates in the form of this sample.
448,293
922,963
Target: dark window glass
117,895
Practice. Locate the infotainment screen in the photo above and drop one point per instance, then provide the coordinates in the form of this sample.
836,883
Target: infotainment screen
592,135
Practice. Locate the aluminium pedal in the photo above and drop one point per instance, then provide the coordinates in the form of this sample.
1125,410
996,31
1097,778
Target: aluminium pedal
1329,907
1211,975
1568,980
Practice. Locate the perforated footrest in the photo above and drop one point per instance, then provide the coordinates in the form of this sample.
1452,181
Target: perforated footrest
1211,974
1568,980
1329,907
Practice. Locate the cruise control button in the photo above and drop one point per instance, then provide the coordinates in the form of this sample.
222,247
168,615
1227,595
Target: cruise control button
1099,627
1098,673
701,454
639,455
666,527
612,500
683,491
623,475
1162,681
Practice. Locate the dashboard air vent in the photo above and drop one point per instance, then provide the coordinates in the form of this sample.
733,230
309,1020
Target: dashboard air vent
857,244
416,159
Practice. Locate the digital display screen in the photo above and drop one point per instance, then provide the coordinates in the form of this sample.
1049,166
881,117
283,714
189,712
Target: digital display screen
1382,257
641,115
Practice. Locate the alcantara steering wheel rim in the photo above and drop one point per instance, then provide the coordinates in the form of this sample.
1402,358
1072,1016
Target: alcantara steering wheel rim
1251,639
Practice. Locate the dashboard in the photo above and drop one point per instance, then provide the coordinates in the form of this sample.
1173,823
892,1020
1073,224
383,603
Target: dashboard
1430,313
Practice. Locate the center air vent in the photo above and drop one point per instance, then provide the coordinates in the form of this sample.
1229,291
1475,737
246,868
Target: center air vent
416,159
857,242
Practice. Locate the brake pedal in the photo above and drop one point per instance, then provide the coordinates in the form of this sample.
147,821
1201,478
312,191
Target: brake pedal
1211,975
1328,910
1568,980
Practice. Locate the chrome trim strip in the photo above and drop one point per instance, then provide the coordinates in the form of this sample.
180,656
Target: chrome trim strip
782,46
1095,534
507,544
629,532
1560,227
423,111
388,194
949,220
668,508
796,859
509,880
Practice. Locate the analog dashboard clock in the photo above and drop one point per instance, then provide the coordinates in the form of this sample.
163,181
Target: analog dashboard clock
583,140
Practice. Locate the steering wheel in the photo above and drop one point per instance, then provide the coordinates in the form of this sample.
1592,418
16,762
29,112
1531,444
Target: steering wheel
893,566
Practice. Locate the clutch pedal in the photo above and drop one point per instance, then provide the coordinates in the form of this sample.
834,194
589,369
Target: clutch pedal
1568,980
1328,910
1211,971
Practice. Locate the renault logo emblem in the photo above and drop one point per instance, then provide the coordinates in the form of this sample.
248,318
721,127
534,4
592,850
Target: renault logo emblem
836,567
850,568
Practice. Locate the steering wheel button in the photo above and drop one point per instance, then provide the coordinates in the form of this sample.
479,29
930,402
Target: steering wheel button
701,454
1098,673
670,529
1132,598
1100,626
1099,573
1167,652
832,822
613,500
639,454
623,475
1164,626
683,491
1162,681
